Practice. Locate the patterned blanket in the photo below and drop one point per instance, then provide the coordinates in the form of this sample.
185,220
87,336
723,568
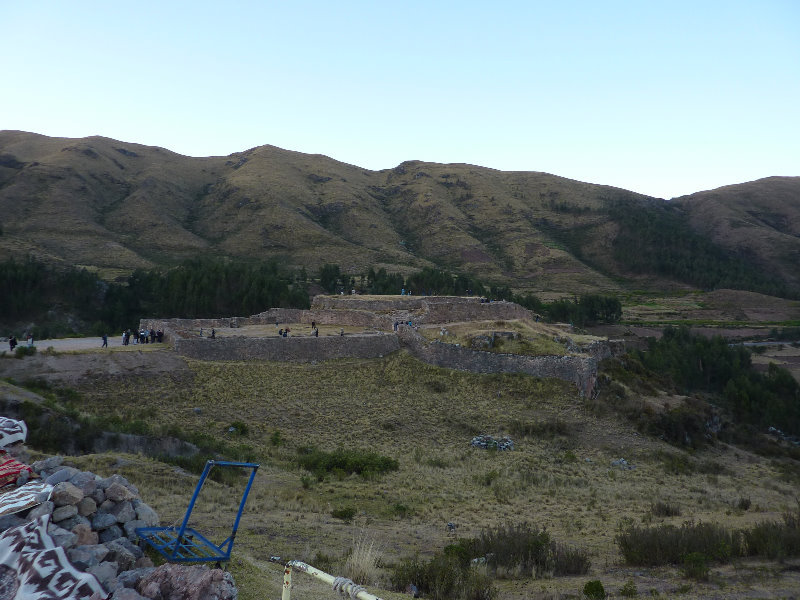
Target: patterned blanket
24,497
32,567
10,469
12,431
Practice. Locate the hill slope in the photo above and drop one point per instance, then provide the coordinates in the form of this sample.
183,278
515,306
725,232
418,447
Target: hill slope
117,206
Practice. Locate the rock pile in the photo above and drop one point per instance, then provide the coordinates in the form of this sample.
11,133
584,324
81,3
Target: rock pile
94,519
487,441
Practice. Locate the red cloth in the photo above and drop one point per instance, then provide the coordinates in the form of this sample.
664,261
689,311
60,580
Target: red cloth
10,469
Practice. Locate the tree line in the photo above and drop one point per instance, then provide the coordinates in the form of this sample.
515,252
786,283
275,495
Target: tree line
54,301
694,363
658,238
62,301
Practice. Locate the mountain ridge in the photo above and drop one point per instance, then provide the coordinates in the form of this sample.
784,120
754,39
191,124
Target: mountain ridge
116,206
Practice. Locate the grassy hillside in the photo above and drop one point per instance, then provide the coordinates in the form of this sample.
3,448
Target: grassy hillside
562,474
115,206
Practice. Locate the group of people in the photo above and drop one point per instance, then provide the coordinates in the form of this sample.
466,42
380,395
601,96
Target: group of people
139,337
314,330
13,342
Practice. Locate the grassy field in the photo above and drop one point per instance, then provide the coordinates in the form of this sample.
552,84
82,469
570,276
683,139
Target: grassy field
560,475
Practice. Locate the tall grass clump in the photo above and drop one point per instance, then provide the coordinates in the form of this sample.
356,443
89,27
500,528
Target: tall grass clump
362,564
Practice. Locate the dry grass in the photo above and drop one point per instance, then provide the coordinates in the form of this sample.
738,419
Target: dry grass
424,418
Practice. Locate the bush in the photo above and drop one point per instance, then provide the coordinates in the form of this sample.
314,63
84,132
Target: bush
23,351
594,590
629,590
664,509
346,513
773,539
695,566
568,560
345,462
668,544
444,577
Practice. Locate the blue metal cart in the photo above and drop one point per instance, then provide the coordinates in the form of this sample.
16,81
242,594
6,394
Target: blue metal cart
186,545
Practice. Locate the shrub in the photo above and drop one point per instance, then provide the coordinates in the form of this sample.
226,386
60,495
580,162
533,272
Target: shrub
344,461
665,509
240,428
444,577
276,439
743,504
668,544
23,351
346,513
773,539
629,590
568,560
695,566
594,590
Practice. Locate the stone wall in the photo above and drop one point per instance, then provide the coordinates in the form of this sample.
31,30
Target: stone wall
579,370
288,349
381,313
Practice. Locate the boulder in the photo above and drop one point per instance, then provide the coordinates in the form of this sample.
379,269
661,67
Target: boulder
106,573
62,537
121,555
86,481
123,512
187,583
48,464
65,493
118,492
87,506
126,593
73,522
8,521
103,520
45,508
61,474
147,514
86,536
112,533
64,512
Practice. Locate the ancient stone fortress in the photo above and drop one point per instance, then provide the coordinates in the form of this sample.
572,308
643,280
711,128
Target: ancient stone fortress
384,327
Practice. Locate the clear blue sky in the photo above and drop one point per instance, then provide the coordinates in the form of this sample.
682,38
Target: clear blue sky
663,98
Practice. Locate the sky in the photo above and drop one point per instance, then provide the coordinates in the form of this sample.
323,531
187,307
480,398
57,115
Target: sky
662,98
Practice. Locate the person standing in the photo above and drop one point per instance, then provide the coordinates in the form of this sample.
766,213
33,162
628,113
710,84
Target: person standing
105,341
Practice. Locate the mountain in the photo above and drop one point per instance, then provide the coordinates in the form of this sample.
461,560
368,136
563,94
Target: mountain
115,206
